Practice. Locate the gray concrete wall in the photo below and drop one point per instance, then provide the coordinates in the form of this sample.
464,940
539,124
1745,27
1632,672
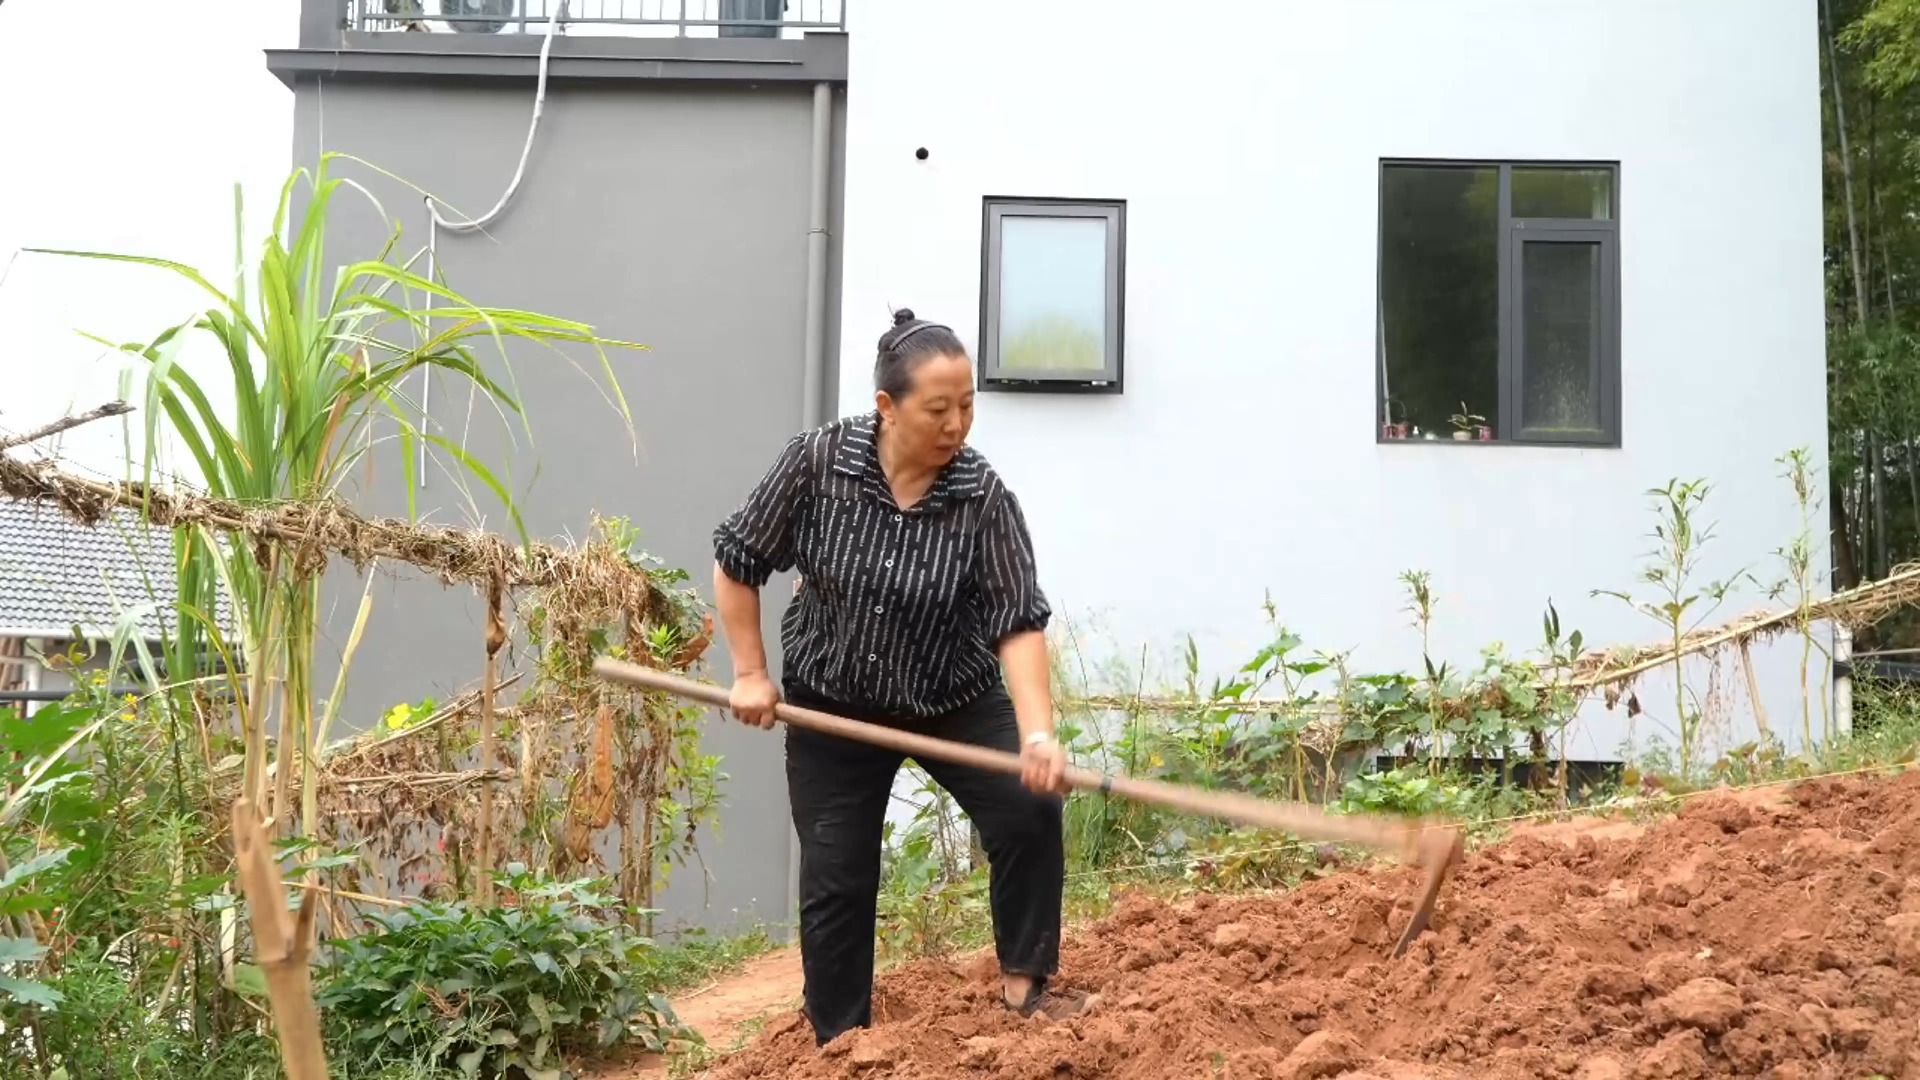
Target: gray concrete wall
673,215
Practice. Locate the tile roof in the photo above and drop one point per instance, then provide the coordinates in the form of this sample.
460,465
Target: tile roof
55,572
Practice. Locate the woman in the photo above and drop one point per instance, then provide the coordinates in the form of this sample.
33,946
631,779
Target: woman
917,607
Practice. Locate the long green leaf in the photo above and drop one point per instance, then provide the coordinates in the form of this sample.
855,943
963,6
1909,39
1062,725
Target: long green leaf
485,476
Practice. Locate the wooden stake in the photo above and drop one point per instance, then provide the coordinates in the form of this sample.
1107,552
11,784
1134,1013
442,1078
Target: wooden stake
282,947
1753,692
496,637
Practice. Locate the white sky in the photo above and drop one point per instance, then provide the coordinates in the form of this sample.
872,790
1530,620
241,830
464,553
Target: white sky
126,124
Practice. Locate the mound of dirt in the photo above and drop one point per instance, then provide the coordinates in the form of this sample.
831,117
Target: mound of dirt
1775,936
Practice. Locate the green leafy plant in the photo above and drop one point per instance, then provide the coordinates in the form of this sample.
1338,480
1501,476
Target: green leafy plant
17,957
1420,604
316,355
1559,700
1465,422
406,714
934,886
489,990
1797,559
1680,603
114,882
1409,790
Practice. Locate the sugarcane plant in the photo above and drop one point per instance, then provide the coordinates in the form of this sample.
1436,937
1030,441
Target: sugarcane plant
317,354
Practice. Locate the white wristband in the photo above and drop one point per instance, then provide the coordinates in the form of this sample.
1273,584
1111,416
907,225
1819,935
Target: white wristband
1039,737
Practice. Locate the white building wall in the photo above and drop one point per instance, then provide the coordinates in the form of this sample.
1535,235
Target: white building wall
1247,140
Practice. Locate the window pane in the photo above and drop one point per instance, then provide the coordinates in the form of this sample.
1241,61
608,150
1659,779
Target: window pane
1440,294
1563,193
1053,293
1560,336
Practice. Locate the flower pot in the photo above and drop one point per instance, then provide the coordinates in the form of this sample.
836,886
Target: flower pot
1463,436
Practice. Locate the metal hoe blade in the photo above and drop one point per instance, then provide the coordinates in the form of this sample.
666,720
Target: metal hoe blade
1439,852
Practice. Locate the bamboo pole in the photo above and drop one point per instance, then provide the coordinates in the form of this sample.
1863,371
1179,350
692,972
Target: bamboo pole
496,637
283,946
67,423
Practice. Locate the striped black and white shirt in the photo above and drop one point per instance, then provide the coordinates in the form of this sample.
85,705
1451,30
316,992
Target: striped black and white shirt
898,610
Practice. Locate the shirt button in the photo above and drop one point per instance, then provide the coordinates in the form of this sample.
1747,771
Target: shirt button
889,564
873,656
878,610
899,517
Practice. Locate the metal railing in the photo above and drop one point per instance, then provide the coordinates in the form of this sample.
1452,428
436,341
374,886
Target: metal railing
604,18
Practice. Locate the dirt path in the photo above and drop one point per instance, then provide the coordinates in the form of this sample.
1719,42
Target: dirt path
726,1010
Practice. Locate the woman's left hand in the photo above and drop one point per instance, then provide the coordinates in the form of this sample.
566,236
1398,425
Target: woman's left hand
1044,767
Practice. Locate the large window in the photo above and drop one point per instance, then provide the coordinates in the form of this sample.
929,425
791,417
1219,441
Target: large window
1499,311
1052,294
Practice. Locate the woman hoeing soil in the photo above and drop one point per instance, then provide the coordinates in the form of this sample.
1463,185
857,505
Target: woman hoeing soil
917,607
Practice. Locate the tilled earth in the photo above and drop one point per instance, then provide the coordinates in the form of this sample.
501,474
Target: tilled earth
1774,934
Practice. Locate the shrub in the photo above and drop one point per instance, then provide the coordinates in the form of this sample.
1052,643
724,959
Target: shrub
486,990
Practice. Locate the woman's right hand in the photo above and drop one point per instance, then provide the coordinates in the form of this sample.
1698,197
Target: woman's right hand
752,699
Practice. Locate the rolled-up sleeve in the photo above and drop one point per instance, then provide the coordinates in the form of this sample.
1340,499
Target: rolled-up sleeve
1009,585
757,539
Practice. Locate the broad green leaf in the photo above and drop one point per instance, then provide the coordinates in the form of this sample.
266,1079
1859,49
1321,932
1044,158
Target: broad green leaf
15,950
31,992
249,980
39,864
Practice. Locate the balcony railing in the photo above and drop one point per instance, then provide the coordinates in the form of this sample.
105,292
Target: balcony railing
602,18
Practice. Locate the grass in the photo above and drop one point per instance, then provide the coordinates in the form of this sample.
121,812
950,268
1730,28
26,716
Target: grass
695,1060
696,958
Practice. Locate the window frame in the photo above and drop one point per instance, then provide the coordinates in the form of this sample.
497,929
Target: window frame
1513,233
1111,379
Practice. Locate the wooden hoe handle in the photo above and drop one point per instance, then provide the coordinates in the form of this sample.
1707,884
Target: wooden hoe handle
1401,838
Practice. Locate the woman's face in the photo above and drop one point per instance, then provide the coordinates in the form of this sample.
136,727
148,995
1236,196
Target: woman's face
932,418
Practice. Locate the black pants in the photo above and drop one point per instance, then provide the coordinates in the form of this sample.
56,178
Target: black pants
839,790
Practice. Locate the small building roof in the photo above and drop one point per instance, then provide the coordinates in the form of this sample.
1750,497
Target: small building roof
56,573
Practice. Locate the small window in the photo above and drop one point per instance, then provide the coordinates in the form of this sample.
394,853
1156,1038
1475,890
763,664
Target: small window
1499,310
1052,295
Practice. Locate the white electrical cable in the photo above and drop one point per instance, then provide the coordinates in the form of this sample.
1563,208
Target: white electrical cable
559,12
435,222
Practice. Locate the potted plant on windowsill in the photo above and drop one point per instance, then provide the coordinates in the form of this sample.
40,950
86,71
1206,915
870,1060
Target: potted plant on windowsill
1392,430
1468,425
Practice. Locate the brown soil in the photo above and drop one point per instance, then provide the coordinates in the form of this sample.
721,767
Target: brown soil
1775,936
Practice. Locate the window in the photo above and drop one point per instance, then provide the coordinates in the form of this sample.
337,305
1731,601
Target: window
1499,309
1052,294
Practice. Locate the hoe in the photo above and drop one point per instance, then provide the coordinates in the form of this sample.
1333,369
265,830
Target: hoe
1433,848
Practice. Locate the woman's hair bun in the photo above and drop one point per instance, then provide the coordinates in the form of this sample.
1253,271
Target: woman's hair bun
903,316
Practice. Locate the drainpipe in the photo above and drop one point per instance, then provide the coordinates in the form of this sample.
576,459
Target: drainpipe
1842,669
813,371
27,649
